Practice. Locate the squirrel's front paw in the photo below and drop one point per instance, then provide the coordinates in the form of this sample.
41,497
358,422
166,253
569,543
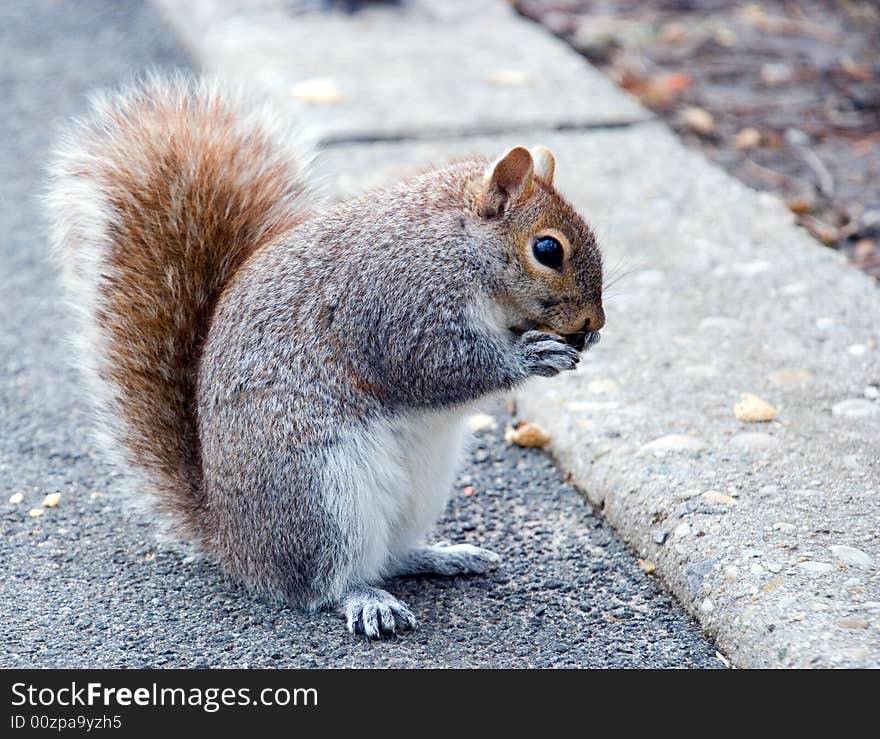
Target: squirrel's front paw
546,354
463,559
375,613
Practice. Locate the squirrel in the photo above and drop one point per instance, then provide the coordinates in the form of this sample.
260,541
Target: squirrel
291,380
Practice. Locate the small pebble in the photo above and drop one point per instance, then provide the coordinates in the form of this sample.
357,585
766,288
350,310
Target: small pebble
35,512
754,441
810,493
793,136
791,377
727,38
675,443
853,623
527,435
714,496
510,77
52,500
816,568
687,494
698,120
755,267
482,422
747,138
318,91
752,409
602,386
855,408
647,566
851,555
785,527
16,498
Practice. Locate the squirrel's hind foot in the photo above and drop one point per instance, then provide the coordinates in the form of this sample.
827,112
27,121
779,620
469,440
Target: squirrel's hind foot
375,612
447,559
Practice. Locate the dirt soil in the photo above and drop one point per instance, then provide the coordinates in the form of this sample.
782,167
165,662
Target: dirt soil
785,94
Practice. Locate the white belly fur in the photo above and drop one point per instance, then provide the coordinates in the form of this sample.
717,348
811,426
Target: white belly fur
432,445
387,487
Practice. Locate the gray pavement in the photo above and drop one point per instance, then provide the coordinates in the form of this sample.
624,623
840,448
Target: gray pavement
89,584
423,68
766,531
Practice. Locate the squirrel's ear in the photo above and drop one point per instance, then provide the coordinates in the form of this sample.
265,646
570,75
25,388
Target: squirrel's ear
545,164
507,179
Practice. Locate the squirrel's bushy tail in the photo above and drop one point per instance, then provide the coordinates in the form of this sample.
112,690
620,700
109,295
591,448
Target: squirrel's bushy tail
155,201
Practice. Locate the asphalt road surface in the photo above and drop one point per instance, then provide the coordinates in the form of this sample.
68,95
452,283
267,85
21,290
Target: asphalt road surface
89,584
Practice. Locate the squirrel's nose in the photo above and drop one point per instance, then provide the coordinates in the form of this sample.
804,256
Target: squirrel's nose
595,320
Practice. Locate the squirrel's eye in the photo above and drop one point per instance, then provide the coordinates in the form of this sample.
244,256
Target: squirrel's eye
548,251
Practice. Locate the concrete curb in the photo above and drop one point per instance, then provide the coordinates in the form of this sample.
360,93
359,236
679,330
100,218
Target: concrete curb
767,532
390,73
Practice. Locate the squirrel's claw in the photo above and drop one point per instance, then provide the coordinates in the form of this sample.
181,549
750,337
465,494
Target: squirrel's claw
375,613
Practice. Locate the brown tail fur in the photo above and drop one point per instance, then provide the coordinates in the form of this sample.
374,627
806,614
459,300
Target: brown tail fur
156,200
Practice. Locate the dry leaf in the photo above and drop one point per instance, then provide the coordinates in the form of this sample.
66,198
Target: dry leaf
861,72
659,91
752,409
527,435
825,232
801,204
